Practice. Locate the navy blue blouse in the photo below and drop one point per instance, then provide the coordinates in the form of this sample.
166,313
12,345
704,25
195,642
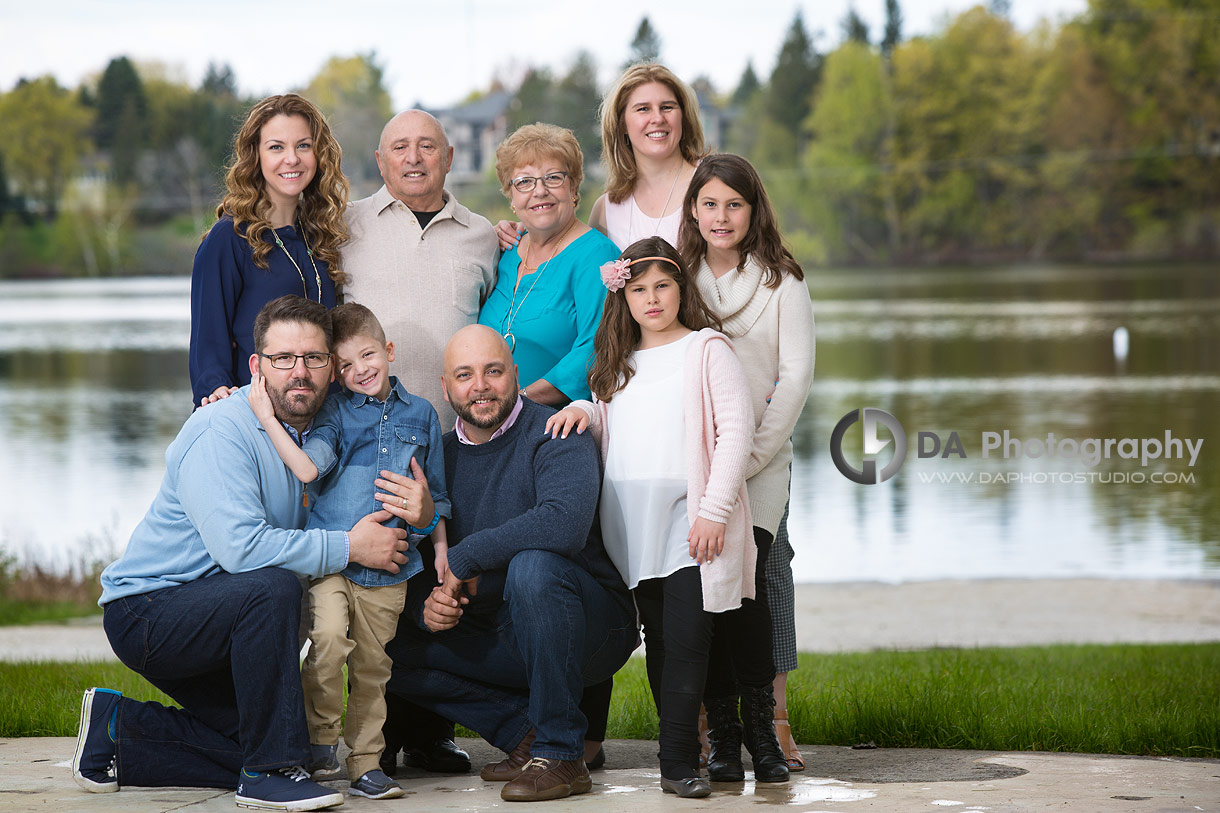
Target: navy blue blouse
227,292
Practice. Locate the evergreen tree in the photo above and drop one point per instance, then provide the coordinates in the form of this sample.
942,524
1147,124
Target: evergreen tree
747,86
893,28
854,28
646,46
122,117
576,105
790,92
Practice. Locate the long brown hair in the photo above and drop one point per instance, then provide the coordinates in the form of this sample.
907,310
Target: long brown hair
762,240
323,202
617,154
618,334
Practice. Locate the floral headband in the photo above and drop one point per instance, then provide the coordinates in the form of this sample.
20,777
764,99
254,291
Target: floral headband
616,274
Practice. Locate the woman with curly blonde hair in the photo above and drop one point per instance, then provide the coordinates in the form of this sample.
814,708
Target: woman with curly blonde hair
278,232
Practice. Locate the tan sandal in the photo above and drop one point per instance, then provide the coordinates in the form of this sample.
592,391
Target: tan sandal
783,732
704,746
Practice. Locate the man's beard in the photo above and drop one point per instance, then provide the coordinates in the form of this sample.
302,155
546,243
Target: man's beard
504,406
288,407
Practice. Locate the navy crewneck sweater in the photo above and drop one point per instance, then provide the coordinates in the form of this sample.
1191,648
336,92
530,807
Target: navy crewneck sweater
522,491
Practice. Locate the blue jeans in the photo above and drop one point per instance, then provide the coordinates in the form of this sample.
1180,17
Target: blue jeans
225,648
521,661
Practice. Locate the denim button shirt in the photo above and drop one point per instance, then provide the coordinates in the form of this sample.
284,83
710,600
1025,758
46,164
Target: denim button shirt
354,437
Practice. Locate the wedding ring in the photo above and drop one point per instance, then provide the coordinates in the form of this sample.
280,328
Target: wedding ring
404,502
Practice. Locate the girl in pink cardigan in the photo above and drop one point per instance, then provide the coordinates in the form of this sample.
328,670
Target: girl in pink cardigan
674,425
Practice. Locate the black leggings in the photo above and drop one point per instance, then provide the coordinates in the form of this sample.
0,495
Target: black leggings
742,653
677,635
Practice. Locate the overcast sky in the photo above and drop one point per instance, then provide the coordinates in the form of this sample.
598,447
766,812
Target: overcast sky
433,52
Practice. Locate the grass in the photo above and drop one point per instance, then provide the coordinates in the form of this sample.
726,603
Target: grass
1156,700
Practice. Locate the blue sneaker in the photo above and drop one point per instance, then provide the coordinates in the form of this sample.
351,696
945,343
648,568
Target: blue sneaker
93,764
375,784
285,789
323,762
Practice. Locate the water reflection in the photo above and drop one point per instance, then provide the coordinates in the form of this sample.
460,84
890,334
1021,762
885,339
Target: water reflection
93,387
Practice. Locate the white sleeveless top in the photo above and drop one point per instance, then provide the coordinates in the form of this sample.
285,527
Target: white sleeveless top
625,224
643,502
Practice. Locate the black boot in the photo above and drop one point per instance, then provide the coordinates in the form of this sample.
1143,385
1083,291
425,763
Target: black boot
757,712
724,738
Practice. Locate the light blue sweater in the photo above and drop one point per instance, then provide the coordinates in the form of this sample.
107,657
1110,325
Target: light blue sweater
227,502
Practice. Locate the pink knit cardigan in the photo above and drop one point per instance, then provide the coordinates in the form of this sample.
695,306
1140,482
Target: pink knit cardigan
719,437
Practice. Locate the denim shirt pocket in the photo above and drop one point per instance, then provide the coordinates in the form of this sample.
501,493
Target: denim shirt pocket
411,440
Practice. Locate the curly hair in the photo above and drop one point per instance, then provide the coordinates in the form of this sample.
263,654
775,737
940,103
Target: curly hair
618,334
617,153
762,240
537,142
322,203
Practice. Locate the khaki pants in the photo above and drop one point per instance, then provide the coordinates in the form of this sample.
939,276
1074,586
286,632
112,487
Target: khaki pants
352,624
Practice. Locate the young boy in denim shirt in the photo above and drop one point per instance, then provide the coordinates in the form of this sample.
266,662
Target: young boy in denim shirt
374,424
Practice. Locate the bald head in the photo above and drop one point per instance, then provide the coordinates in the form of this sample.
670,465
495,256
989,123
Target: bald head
414,157
473,344
419,121
480,380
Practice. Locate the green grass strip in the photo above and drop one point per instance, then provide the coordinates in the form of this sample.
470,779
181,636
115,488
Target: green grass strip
1157,699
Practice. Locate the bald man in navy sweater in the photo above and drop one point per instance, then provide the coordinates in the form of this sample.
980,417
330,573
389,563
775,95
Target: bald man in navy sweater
532,609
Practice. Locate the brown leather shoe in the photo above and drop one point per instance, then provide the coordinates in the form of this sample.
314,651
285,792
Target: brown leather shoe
544,779
511,766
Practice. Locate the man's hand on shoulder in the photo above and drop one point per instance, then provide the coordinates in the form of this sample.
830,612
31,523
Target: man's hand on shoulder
374,545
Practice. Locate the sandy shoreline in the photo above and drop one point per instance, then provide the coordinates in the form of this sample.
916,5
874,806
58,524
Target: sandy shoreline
866,616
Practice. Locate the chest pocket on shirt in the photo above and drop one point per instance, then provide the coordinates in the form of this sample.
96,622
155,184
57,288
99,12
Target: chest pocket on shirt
410,440
467,287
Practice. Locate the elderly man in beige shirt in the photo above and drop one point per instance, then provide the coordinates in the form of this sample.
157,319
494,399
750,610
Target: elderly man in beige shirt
421,261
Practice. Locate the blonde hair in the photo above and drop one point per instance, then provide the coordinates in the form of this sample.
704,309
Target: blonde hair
322,203
534,143
617,154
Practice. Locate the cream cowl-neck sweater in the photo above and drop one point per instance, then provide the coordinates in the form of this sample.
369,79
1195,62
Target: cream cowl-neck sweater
773,334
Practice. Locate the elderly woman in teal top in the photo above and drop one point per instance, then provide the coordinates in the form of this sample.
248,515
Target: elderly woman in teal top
548,298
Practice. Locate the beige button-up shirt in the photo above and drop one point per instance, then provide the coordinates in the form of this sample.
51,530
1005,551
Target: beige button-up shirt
422,284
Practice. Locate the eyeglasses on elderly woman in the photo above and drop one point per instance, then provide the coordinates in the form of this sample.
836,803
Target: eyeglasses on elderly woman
551,180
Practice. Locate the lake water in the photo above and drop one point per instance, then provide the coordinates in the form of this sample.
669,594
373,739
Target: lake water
93,387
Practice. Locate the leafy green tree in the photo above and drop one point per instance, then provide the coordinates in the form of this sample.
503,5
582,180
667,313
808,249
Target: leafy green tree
122,117
351,92
843,163
45,133
646,45
965,133
1158,63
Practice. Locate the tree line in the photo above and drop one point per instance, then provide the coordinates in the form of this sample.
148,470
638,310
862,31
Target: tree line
1095,139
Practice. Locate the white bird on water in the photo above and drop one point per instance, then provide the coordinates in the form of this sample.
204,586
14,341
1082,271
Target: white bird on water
1122,342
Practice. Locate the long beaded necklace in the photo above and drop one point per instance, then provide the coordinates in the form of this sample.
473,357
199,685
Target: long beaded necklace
317,278
512,314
